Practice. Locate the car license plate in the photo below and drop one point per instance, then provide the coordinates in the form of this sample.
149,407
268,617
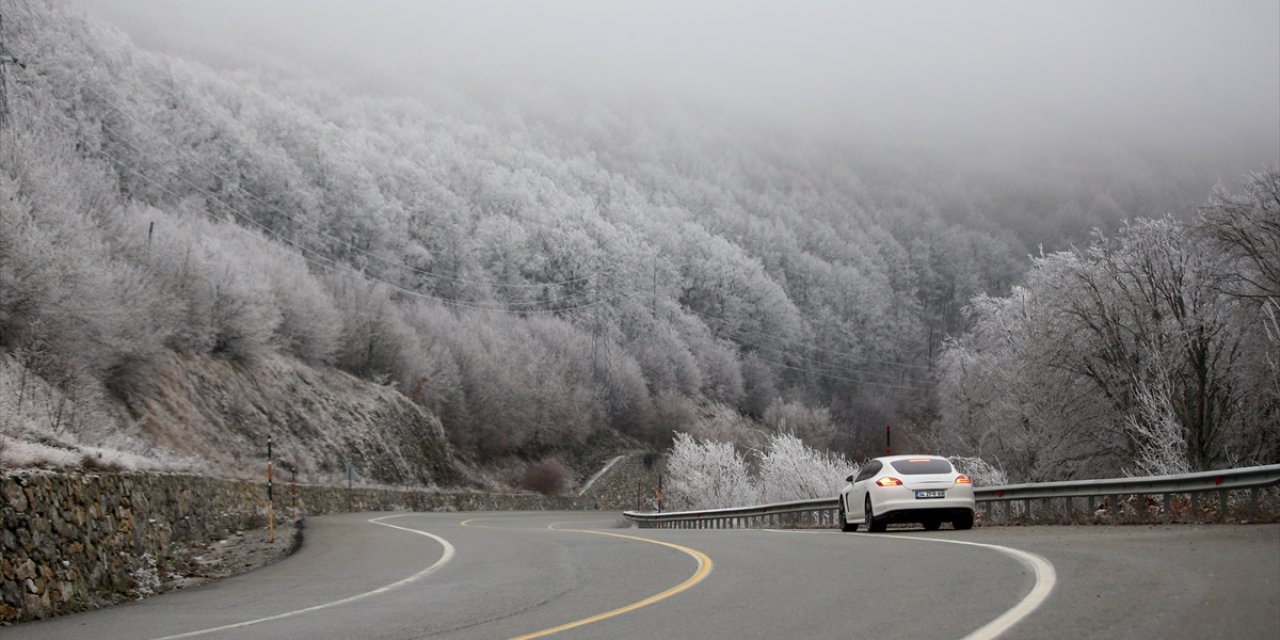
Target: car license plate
931,493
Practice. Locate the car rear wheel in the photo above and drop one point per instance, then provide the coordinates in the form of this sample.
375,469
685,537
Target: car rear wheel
845,525
963,522
874,524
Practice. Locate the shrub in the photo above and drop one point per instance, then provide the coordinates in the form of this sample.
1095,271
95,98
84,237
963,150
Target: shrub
983,473
707,475
789,470
548,477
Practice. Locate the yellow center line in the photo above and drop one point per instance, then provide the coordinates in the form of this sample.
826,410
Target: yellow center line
704,569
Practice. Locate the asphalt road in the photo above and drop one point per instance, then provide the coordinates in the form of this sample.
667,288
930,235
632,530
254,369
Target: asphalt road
505,575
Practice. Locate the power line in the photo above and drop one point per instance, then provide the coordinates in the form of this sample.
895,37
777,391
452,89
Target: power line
788,341
822,371
321,232
318,258
779,351
172,93
327,262
843,379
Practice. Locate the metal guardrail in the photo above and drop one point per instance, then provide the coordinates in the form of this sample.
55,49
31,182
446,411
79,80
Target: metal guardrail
1016,500
816,511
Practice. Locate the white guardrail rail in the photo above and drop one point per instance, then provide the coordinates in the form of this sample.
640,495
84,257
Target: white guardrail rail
1113,498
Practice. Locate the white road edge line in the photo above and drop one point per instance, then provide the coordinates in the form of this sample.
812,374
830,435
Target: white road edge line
444,559
1045,575
1046,578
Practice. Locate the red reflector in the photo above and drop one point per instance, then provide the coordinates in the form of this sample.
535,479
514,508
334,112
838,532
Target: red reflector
889,482
963,479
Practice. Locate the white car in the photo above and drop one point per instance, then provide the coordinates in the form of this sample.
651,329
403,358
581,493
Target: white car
924,489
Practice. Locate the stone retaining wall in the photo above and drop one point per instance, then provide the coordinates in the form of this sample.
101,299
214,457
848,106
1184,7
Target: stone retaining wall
74,541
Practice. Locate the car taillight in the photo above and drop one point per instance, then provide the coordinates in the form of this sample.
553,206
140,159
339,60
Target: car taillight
963,479
889,482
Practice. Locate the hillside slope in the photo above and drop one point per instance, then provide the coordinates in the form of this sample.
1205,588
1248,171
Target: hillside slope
321,420
541,272
214,416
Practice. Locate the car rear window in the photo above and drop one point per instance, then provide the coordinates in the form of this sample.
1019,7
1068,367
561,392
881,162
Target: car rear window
921,466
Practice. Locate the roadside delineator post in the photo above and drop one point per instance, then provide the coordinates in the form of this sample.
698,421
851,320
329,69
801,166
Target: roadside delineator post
271,505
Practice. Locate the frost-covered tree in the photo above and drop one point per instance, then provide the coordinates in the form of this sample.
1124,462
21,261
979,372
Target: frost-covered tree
705,474
157,204
812,425
1091,363
791,470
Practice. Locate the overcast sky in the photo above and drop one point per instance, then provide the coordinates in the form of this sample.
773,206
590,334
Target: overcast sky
1202,72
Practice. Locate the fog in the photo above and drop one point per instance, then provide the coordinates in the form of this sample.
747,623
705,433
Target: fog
1183,76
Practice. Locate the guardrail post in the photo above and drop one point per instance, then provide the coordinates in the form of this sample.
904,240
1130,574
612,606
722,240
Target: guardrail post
1116,510
1255,508
1195,507
1222,506
1167,516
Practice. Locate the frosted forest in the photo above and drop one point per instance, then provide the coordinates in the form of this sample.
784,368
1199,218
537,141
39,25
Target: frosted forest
544,274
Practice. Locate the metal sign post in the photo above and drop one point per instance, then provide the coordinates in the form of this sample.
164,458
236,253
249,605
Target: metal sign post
271,505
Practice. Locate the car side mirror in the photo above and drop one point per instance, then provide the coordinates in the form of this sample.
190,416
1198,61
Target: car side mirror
849,479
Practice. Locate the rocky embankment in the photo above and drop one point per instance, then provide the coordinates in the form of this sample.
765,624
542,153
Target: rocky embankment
322,422
631,484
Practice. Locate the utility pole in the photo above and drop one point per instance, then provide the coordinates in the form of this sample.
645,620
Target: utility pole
595,331
655,287
660,492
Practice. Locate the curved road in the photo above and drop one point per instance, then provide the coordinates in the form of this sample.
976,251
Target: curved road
506,575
